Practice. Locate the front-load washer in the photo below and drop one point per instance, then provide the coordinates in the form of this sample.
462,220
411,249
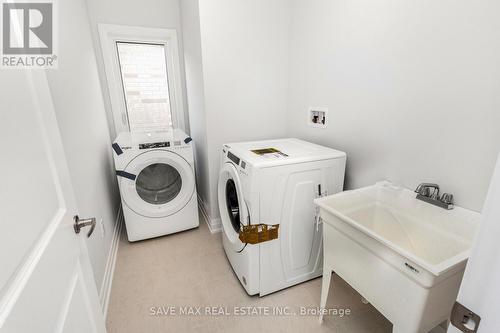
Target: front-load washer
156,178
275,182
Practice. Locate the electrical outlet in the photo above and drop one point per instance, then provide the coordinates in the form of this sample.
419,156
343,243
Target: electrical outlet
317,117
101,224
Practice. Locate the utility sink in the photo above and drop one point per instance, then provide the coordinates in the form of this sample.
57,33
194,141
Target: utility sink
403,255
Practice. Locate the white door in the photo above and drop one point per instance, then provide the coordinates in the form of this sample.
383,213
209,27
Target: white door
480,290
46,282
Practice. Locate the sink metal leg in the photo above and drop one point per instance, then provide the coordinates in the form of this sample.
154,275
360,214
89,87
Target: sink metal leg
325,287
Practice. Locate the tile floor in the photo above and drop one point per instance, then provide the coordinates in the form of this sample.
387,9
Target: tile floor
191,269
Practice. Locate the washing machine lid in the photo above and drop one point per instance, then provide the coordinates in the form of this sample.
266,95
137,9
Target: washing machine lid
232,206
157,183
270,153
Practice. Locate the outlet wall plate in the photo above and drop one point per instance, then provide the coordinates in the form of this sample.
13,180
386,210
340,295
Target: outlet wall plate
317,117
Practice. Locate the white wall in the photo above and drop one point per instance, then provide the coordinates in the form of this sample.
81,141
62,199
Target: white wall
196,96
412,88
145,13
82,122
244,46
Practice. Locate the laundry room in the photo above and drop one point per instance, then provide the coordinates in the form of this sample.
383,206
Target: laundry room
250,166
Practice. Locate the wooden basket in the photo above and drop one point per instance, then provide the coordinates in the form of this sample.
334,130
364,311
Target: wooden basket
258,233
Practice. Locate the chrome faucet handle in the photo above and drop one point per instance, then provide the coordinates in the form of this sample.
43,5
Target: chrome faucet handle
422,190
447,198
425,190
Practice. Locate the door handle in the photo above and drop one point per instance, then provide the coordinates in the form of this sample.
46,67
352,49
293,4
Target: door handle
80,223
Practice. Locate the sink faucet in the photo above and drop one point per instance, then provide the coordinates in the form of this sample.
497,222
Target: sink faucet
429,193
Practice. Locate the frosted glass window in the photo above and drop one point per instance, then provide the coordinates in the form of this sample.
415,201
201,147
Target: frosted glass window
145,85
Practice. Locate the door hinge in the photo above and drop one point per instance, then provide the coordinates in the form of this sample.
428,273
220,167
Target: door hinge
464,319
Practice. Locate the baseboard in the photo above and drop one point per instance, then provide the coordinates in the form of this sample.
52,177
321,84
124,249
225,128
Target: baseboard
109,270
438,329
214,224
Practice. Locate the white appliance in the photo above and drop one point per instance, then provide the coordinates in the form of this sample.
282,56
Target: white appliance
156,177
275,182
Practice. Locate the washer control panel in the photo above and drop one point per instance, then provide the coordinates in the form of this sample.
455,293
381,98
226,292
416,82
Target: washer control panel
152,145
241,166
235,159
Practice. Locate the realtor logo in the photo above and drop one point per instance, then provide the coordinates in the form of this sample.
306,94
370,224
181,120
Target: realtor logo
28,34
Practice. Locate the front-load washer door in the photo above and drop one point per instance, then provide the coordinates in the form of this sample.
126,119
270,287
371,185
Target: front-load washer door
232,206
164,183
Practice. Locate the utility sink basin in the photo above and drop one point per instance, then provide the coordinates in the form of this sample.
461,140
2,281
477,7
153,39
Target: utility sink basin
405,256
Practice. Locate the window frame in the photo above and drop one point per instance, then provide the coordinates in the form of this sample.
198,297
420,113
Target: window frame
109,35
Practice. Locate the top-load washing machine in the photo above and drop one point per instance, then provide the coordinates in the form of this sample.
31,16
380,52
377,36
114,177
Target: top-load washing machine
157,182
275,182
